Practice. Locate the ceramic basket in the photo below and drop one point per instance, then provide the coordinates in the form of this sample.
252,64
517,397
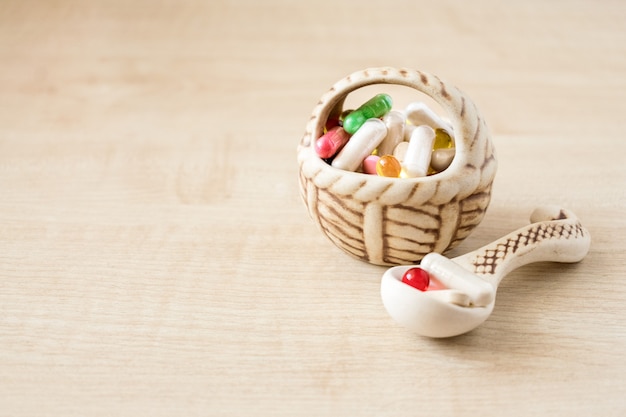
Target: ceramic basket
392,221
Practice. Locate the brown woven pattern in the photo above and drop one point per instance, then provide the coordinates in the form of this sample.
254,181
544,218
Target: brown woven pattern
488,262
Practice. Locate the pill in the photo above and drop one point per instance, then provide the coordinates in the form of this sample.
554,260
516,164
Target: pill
441,159
331,142
450,296
395,122
375,107
360,145
419,113
369,164
422,281
388,166
416,278
417,159
400,150
435,284
408,130
454,276
343,115
331,122
442,139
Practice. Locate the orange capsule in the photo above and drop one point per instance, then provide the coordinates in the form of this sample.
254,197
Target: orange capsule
388,166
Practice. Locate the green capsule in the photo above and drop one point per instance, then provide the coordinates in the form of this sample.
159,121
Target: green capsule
343,115
375,107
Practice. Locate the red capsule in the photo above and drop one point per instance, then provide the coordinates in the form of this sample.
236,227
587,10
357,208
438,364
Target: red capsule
417,278
331,142
332,122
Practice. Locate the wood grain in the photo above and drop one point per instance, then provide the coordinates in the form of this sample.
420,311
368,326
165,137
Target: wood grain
156,258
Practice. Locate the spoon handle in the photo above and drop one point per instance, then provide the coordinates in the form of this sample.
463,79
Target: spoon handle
555,234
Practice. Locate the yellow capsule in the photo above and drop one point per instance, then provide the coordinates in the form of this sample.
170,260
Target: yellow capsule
388,166
443,140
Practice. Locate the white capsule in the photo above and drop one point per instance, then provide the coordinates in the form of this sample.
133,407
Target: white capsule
360,145
455,277
450,296
395,122
408,130
419,113
448,123
417,158
400,150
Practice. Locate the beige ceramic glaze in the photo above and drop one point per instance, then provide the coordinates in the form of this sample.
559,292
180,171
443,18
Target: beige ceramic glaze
391,221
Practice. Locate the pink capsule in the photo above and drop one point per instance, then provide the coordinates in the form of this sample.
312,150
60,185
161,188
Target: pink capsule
331,142
369,164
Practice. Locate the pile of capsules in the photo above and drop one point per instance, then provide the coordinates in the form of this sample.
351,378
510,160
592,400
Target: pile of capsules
374,139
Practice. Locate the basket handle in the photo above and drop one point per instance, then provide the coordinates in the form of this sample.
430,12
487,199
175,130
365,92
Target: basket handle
472,141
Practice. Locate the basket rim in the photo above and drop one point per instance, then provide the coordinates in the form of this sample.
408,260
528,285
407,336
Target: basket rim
457,105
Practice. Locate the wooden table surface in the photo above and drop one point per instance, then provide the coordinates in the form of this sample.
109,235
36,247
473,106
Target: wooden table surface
156,258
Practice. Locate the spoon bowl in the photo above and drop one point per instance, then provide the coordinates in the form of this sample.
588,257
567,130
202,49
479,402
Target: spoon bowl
471,280
424,314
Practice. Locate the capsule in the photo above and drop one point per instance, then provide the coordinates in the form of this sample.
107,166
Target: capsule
443,140
400,150
419,113
343,115
417,278
360,145
417,158
369,164
331,142
395,122
388,166
441,159
377,106
330,123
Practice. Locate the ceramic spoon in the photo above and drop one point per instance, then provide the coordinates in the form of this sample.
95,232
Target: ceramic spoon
471,280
